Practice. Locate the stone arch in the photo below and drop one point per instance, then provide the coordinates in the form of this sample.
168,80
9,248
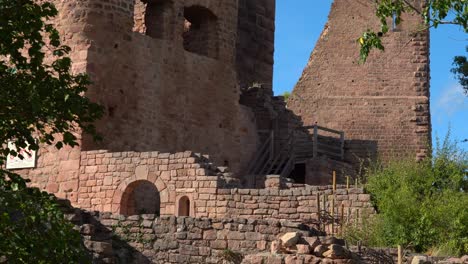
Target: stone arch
201,31
185,205
142,174
140,197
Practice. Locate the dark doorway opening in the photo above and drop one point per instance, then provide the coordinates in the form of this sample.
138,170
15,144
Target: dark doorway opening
299,172
140,197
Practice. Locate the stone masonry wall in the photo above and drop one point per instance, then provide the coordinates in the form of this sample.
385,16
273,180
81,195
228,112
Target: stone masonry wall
255,42
382,105
146,239
159,95
160,88
107,178
185,184
296,205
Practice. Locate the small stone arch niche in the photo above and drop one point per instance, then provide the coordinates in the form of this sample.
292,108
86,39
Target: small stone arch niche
140,197
185,205
201,31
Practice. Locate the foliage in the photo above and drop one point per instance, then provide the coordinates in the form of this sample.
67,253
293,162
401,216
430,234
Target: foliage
435,13
41,99
32,227
286,95
460,69
420,204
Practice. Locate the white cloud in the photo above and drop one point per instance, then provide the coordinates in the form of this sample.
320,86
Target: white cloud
451,101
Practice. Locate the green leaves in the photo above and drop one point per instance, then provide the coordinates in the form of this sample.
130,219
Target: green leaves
460,70
435,13
32,227
422,204
39,98
369,41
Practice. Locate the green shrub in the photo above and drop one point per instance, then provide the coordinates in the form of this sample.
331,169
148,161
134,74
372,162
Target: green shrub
32,227
420,204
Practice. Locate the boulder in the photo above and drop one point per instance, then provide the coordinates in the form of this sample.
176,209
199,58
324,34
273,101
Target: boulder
313,242
303,249
332,240
457,260
420,260
319,250
290,239
336,251
276,247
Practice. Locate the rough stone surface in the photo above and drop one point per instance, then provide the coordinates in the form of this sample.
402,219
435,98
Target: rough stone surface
290,239
319,250
383,105
336,252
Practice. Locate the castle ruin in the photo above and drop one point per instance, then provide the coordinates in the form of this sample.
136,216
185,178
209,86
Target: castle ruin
192,127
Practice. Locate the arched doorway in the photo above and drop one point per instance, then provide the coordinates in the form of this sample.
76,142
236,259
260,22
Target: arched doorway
184,206
140,197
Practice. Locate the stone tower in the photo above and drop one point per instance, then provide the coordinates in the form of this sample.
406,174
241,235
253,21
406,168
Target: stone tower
169,74
169,71
382,105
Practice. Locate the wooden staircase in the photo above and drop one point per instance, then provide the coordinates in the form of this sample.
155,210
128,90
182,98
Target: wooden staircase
278,156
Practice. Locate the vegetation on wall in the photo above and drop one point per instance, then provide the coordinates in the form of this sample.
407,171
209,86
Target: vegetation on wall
435,13
41,102
421,205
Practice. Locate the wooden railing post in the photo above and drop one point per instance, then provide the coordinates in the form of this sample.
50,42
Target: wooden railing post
315,140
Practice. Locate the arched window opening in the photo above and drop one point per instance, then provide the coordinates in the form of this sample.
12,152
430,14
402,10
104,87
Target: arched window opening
140,197
154,18
158,19
201,31
184,206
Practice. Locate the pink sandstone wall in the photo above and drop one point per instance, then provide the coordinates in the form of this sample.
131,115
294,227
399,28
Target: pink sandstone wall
108,179
160,95
382,105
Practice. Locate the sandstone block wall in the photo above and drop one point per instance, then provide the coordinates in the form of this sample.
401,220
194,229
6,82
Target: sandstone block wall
184,184
382,105
189,240
168,72
255,42
296,205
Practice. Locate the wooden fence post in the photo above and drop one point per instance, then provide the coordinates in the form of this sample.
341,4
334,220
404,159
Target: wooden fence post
334,181
400,255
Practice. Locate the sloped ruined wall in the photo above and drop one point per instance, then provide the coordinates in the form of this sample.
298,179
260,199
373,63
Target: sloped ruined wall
382,105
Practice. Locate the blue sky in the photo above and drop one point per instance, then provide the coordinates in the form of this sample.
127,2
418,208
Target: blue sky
299,24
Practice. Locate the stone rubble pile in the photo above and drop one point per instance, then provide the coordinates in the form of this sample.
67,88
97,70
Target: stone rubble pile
295,248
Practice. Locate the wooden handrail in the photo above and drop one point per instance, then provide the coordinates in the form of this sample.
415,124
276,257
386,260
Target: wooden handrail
324,129
259,155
